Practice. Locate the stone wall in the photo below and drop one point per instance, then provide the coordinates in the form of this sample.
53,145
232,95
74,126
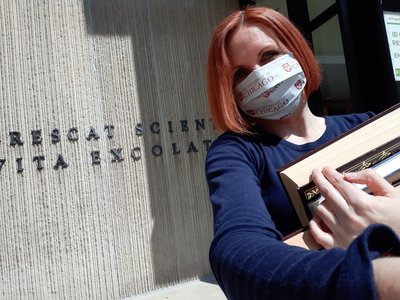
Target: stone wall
103,134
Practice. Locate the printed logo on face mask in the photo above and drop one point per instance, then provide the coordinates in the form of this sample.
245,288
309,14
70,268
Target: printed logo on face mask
269,108
298,84
240,96
272,91
289,67
255,86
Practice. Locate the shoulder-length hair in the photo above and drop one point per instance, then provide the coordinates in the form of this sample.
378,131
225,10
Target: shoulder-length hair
224,110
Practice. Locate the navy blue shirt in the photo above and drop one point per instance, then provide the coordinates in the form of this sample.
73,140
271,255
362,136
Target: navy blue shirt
252,213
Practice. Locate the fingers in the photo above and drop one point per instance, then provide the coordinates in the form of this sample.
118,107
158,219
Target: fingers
346,191
326,214
325,239
377,184
328,185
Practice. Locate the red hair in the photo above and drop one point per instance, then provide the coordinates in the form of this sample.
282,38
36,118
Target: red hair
224,111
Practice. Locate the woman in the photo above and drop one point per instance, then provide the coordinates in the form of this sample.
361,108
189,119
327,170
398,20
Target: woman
260,74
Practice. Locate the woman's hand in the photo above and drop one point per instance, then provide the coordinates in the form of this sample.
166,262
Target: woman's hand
347,210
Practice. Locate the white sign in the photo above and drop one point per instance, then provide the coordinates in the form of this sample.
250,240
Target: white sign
392,22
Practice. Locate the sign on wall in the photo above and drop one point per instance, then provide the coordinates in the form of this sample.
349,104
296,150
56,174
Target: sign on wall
392,23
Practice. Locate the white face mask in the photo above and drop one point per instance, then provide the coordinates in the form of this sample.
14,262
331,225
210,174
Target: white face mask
272,91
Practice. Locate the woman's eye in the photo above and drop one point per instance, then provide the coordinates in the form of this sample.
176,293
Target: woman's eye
240,75
268,57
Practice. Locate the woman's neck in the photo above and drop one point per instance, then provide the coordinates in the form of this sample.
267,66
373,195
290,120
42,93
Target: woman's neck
301,128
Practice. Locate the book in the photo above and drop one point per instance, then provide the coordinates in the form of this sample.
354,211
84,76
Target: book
385,160
374,143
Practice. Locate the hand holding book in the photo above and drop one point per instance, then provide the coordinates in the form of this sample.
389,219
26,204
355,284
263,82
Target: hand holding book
369,145
374,144
347,210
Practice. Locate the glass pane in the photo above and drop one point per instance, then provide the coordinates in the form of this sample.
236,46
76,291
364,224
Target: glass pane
317,7
278,5
329,50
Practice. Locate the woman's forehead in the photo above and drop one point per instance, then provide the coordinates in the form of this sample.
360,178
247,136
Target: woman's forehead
249,39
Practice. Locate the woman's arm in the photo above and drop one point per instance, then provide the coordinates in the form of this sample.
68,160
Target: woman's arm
249,258
387,277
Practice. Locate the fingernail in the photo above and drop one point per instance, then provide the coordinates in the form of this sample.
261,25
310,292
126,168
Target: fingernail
350,175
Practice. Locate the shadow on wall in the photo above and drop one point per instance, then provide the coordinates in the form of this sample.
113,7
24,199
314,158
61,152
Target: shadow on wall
169,44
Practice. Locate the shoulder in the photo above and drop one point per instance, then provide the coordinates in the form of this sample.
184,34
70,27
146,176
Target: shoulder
232,147
350,120
230,140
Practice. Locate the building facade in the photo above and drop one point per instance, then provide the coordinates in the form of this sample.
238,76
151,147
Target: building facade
103,134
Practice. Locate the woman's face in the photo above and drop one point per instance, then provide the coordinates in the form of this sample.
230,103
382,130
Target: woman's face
249,48
273,93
